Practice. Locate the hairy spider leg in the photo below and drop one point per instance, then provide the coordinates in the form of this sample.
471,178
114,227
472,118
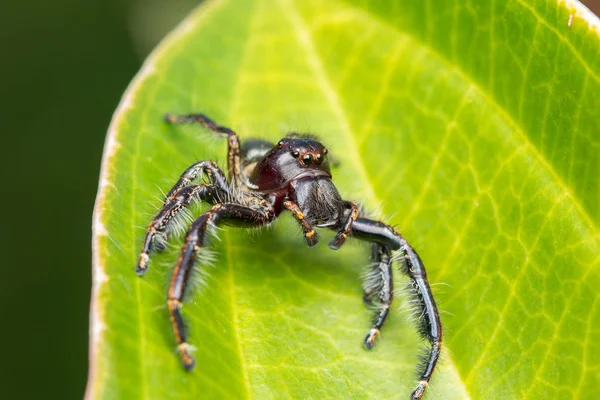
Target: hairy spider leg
196,238
429,323
176,200
310,235
341,236
430,326
158,229
379,282
206,167
372,279
233,141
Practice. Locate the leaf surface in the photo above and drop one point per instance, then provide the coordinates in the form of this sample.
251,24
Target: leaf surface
472,127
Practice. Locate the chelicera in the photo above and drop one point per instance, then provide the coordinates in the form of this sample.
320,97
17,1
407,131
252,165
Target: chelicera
263,181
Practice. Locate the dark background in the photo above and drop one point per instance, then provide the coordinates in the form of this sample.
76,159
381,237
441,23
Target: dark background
63,66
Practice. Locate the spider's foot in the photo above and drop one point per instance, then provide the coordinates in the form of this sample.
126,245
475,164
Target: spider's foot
369,341
418,392
338,241
186,358
142,266
311,238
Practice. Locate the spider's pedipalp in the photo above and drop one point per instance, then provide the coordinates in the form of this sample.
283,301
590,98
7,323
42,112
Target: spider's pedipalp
343,233
310,235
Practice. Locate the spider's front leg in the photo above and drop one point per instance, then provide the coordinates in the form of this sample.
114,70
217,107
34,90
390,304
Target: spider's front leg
196,238
179,197
430,326
233,141
379,290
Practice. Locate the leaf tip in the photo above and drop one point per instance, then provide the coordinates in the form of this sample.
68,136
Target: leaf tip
578,10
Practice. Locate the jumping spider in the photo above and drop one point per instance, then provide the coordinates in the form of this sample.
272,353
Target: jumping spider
264,180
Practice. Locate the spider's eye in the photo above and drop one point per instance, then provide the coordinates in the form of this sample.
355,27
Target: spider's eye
280,143
319,159
308,159
295,154
324,151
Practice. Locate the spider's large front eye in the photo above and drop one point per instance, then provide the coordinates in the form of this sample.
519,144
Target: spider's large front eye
295,154
319,159
308,159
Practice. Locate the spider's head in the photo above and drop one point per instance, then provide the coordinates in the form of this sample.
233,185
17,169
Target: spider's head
292,158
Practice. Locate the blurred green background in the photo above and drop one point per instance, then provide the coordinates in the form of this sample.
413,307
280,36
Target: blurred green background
64,66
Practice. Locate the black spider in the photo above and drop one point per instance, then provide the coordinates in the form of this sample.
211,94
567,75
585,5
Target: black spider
265,180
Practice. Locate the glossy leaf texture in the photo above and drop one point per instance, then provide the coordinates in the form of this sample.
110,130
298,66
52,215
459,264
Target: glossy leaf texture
471,126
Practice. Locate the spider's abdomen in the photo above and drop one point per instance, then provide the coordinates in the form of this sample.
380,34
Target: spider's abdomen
319,200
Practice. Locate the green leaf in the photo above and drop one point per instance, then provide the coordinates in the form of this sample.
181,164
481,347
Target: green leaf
471,126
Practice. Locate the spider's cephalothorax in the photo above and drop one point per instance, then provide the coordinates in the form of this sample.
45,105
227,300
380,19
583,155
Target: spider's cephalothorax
264,180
